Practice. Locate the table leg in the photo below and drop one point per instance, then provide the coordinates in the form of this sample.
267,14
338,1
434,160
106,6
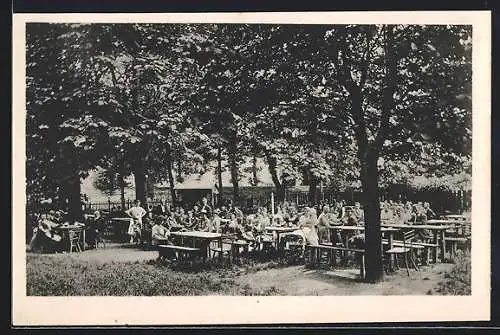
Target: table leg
84,239
436,235
391,245
443,245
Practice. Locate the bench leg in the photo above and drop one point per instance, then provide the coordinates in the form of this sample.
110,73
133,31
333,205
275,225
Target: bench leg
362,266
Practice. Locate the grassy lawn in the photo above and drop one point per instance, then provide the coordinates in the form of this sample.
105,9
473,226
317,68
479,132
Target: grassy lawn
81,275
66,276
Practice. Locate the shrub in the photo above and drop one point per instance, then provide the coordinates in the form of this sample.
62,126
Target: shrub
458,280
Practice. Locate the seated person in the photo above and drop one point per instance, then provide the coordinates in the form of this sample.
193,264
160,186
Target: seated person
307,231
159,233
419,212
429,213
215,223
231,225
239,215
324,224
44,236
224,213
399,217
96,227
349,218
386,213
407,213
358,212
147,224
172,224
190,221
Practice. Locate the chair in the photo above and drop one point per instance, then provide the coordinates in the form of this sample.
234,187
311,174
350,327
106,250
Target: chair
293,248
75,238
406,250
224,246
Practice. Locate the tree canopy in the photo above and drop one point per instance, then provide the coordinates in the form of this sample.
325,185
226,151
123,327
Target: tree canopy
332,104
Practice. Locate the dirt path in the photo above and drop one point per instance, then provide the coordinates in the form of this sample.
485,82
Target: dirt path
298,280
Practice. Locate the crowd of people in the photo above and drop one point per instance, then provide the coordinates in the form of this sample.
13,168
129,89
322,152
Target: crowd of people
152,224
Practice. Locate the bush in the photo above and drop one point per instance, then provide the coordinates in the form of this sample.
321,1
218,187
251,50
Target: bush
458,280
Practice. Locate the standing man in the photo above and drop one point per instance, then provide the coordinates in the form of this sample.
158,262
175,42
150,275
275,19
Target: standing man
136,212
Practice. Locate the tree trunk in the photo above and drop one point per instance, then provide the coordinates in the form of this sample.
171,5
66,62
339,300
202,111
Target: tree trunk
373,235
233,162
140,182
75,212
313,190
171,179
150,187
219,175
122,184
179,170
272,166
255,180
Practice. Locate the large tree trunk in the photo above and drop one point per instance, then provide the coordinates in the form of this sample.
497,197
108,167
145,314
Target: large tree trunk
373,235
71,187
313,190
219,175
75,212
233,162
272,166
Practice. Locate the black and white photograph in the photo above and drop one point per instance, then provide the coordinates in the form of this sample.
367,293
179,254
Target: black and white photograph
252,159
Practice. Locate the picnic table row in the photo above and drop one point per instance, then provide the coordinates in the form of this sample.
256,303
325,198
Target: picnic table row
199,242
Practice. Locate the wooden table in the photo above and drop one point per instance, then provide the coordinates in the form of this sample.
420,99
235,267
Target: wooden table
439,232
280,230
64,230
457,217
390,230
447,222
204,237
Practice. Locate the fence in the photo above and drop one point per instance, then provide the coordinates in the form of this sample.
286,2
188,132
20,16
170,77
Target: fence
441,200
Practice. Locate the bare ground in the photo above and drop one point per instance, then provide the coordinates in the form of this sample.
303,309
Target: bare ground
297,280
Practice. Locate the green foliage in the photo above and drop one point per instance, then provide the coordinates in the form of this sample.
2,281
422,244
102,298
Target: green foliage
313,98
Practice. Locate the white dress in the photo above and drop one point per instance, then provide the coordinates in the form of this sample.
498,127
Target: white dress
136,221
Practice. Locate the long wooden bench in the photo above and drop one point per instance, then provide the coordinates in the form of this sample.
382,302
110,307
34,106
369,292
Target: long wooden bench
317,249
166,251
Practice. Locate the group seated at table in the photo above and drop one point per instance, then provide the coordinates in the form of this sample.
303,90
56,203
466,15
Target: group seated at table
154,224
45,233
